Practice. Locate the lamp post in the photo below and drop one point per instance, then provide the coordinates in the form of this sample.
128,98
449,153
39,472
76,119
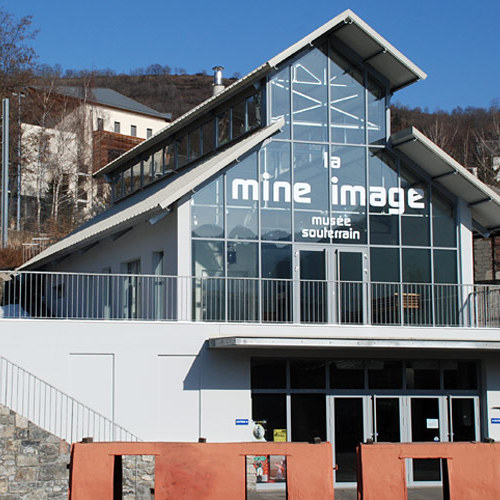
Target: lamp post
5,172
18,207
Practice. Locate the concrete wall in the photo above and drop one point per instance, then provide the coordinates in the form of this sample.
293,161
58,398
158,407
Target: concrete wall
138,243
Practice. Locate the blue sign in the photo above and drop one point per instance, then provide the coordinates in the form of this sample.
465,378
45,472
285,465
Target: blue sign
495,420
241,421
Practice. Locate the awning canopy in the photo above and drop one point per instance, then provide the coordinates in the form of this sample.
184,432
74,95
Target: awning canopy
443,169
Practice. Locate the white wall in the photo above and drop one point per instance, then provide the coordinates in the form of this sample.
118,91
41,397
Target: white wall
491,404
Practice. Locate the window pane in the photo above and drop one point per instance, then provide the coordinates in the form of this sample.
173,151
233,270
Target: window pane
384,264
271,409
157,164
276,261
253,112
384,229
422,375
223,130
207,210
347,101
136,176
208,258
127,181
276,212
308,417
309,97
280,99
444,230
348,193
460,375
169,154
376,113
416,265
307,374
148,166
182,151
384,181
208,131
268,374
347,374
445,266
311,208
238,119
385,374
242,199
194,144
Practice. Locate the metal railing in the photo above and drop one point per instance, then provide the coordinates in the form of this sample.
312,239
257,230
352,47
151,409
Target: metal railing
52,409
59,295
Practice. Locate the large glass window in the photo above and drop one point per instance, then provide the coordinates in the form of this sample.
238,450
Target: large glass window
207,210
309,97
280,99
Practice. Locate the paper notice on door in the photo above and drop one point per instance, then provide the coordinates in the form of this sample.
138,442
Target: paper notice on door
432,423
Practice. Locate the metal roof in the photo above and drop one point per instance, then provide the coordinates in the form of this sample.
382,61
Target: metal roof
111,98
348,28
150,201
483,201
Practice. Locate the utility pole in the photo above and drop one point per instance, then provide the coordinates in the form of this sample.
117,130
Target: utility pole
5,172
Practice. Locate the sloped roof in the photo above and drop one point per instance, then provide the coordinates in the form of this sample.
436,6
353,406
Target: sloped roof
347,27
483,201
109,97
151,201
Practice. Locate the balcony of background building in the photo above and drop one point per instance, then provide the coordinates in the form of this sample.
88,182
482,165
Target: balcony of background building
212,299
107,146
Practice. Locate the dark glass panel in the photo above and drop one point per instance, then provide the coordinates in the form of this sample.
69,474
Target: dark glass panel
313,286
254,118
223,128
384,230
347,374
388,420
194,144
308,417
423,375
148,166
169,154
444,225
208,136
238,119
207,210
384,263
136,176
280,99
276,261
208,258
416,265
415,231
385,374
376,113
463,419
348,435
182,151
127,181
445,266
347,101
157,167
310,96
118,185
242,199
270,409
460,375
268,374
307,374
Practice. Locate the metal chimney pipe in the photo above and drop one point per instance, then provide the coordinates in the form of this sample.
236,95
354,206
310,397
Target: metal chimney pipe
217,86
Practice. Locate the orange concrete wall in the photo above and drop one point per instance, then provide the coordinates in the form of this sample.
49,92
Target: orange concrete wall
473,469
208,471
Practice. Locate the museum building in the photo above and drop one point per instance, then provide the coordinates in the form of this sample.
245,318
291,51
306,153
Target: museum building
276,255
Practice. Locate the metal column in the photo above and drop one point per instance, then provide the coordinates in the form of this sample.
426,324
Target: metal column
5,172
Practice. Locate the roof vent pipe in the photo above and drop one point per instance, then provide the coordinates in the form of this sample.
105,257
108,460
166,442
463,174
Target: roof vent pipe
218,86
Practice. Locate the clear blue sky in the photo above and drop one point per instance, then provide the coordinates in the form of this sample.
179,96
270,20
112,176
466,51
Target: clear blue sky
456,42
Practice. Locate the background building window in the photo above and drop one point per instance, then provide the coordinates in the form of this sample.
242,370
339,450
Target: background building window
133,130
149,132
117,127
100,124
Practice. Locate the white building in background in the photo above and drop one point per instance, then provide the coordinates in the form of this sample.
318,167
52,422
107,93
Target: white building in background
78,131
278,255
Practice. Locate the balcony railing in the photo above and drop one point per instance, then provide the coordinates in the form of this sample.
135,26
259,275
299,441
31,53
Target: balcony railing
174,298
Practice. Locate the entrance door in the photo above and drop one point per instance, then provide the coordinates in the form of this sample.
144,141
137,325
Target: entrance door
463,418
312,292
348,430
351,272
427,424
387,419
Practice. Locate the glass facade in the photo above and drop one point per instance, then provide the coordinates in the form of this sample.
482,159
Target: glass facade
327,180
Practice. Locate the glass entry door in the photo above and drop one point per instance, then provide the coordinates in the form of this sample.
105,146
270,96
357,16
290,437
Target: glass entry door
351,272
